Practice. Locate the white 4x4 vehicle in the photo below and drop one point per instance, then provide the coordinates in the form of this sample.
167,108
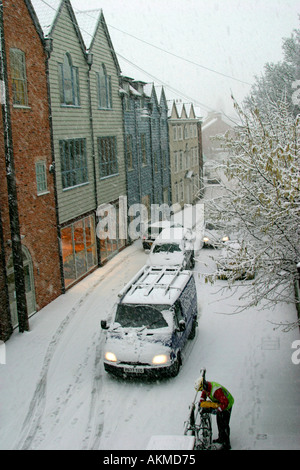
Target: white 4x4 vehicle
154,230
173,247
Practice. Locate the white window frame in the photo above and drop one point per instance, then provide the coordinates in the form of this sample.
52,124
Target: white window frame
41,178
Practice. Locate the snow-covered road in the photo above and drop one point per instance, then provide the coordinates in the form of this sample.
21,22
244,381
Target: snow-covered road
54,393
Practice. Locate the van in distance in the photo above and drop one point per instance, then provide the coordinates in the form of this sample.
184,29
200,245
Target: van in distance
174,246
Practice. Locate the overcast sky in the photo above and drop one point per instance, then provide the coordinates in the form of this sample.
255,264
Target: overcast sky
224,43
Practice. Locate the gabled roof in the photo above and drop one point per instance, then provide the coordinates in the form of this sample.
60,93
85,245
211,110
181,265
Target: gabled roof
48,13
173,112
148,88
34,19
183,114
190,110
161,97
179,110
89,22
215,116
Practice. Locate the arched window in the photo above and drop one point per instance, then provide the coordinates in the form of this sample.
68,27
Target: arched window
69,82
29,286
104,88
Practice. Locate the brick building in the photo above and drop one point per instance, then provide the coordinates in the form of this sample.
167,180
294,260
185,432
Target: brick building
27,189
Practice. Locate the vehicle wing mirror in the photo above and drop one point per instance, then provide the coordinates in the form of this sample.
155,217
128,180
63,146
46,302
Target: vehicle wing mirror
181,325
104,325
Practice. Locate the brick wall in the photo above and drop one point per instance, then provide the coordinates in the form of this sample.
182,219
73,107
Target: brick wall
30,129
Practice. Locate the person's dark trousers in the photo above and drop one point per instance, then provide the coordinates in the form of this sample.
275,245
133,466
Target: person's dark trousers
223,419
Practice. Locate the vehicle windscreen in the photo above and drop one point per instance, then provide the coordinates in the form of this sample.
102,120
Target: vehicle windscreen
137,316
211,226
166,248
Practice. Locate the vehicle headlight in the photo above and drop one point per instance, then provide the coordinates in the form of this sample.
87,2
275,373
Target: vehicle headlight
206,239
225,238
110,356
160,359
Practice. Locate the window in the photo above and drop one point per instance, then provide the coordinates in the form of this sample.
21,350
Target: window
18,77
73,162
78,249
176,192
186,132
188,160
155,162
179,132
129,152
69,82
41,177
112,239
143,149
174,133
181,190
104,89
164,159
108,160
175,162
181,160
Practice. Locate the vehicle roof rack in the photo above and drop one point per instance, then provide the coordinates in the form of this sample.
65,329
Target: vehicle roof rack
139,281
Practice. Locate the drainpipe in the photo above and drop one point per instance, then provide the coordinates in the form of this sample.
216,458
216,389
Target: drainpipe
6,327
12,188
89,60
48,46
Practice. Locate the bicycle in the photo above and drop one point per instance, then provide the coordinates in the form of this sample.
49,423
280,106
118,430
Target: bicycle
199,423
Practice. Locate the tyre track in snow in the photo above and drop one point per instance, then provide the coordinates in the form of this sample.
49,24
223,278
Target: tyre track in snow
94,428
32,422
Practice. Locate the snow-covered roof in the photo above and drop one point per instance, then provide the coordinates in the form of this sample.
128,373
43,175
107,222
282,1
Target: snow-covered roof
158,285
148,89
183,110
133,91
46,13
171,234
209,123
88,22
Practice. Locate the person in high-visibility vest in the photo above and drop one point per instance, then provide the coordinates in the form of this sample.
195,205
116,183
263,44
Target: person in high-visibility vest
218,394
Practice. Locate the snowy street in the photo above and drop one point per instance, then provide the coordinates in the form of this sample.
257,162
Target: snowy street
55,394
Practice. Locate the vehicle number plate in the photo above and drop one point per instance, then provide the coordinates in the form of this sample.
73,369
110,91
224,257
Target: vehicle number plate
132,370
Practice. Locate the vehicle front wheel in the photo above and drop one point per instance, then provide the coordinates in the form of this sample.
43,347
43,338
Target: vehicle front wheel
193,330
174,369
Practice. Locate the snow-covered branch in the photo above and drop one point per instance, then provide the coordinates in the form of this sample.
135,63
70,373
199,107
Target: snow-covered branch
261,198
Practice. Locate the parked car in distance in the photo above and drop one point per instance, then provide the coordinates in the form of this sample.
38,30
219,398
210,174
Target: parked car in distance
153,320
234,262
154,230
174,247
214,235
